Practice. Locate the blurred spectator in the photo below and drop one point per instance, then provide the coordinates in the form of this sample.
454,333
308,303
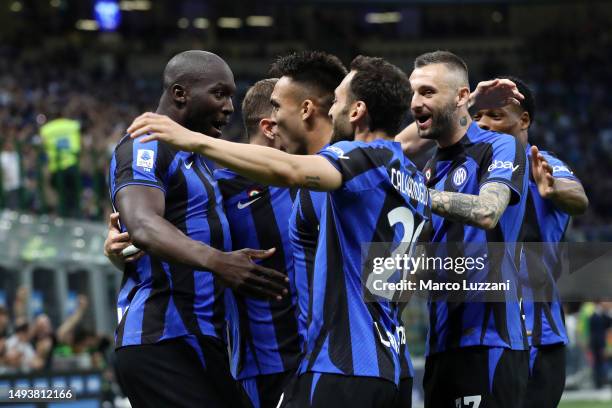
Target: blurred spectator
43,338
599,323
5,322
61,139
20,355
10,173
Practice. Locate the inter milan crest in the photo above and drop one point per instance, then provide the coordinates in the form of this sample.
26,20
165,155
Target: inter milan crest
459,176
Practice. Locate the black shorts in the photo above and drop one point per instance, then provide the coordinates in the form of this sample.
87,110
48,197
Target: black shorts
546,376
405,392
186,372
264,391
315,390
476,377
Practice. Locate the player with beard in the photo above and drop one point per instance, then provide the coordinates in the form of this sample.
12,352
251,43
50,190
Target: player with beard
476,345
554,196
352,352
169,340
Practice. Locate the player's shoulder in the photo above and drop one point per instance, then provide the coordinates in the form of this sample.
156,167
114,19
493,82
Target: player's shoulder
225,174
477,135
127,145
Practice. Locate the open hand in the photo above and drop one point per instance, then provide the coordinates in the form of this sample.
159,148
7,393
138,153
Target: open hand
542,171
153,126
238,271
495,94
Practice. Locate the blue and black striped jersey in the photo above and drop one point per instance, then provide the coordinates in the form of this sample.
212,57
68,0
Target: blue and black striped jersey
160,300
544,223
480,157
263,334
382,199
304,235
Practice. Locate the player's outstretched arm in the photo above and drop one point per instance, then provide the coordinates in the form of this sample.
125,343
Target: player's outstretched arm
142,210
263,164
566,194
483,210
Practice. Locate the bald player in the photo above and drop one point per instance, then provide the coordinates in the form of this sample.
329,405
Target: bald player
169,343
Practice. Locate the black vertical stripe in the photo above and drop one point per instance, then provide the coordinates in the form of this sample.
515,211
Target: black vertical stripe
183,280
335,311
455,235
307,227
245,335
129,271
496,254
283,311
217,240
154,314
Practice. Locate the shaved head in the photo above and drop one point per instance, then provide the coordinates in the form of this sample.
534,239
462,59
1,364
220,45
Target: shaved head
198,90
457,70
189,67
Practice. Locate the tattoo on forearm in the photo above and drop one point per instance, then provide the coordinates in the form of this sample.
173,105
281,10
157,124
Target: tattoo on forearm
472,209
463,121
313,182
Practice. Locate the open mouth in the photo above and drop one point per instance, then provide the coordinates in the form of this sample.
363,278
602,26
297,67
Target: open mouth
423,120
219,125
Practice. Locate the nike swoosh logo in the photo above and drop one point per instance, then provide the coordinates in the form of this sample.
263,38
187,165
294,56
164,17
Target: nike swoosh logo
188,165
245,205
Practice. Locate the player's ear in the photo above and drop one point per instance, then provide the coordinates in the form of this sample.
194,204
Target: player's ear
308,109
358,112
463,96
525,120
266,125
179,94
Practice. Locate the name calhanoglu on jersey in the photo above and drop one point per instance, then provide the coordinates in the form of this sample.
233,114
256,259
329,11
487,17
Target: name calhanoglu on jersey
405,184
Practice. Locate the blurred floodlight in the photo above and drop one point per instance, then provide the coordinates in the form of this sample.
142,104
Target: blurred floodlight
87,25
135,5
16,6
55,3
229,22
497,17
259,21
108,15
200,23
183,23
383,18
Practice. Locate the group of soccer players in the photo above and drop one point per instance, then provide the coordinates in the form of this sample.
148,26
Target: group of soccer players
299,330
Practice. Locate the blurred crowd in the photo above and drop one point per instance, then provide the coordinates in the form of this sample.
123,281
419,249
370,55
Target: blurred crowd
43,171
589,354
34,344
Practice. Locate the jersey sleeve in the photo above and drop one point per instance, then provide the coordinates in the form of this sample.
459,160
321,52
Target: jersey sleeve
136,163
560,168
352,159
506,164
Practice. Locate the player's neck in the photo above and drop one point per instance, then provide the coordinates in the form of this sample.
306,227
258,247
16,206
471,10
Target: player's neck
168,110
461,125
368,136
319,136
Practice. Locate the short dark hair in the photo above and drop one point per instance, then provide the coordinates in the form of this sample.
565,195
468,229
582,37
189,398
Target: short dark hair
452,61
316,69
256,104
527,104
385,89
